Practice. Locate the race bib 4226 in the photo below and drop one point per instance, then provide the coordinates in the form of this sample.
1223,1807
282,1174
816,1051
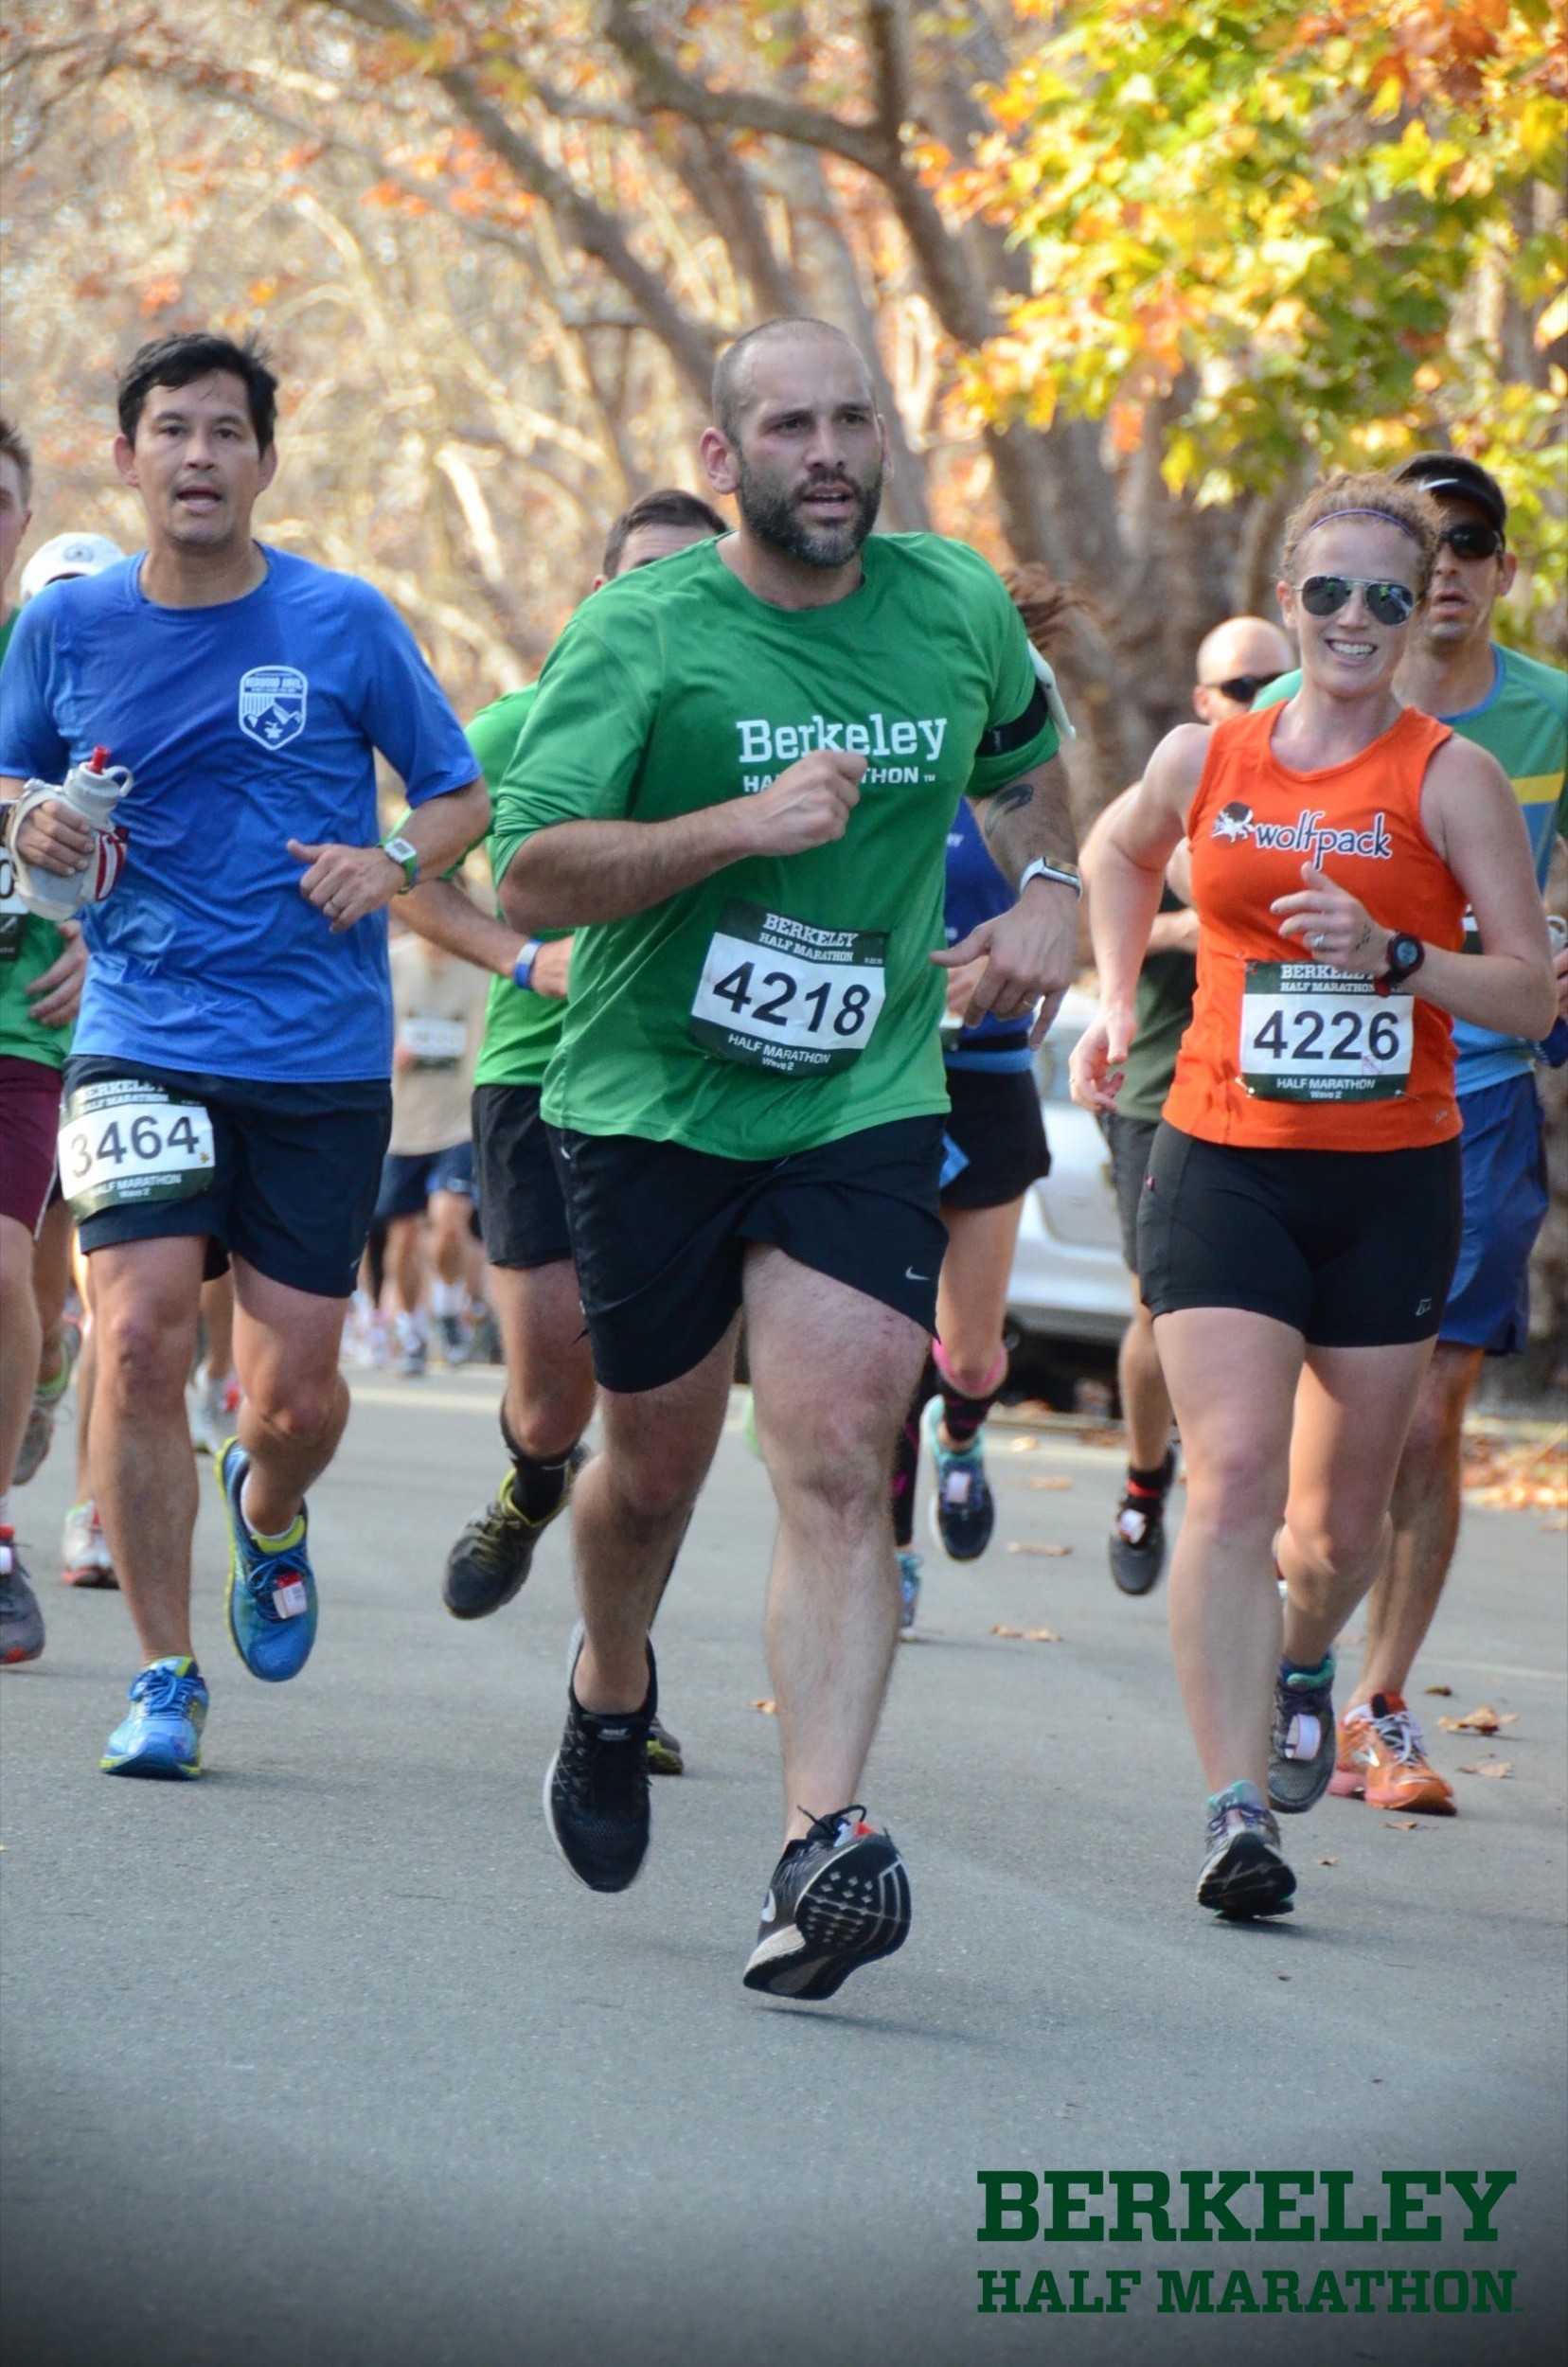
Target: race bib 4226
780,995
1313,1034
125,1142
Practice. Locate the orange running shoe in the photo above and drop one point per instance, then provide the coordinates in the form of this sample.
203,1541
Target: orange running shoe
1382,1760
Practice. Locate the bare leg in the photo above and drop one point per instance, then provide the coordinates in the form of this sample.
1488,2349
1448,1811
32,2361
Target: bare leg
218,1320
833,1594
1146,1400
971,1293
51,1281
549,1372
295,1404
629,1511
450,1235
86,1375
405,1260
1232,1376
1425,1513
145,1297
21,1336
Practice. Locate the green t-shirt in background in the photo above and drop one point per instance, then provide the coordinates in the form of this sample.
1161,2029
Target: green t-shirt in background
522,1030
1166,984
675,688
28,946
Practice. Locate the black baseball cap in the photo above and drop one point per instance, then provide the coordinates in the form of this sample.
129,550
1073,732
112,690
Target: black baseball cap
1450,473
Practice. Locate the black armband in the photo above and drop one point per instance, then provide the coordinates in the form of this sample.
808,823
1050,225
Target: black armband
1002,739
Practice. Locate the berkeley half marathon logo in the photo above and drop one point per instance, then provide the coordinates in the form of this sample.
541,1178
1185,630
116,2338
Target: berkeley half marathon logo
1234,825
272,704
880,738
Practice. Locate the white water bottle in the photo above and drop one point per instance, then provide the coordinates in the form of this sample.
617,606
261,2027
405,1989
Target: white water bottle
93,789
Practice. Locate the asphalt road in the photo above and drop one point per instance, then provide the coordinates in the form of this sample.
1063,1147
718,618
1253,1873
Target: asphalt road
325,2061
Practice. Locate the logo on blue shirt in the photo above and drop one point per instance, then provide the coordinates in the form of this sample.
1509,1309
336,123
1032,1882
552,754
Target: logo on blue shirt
272,704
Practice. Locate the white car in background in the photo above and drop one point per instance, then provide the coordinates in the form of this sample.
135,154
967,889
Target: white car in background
1068,1281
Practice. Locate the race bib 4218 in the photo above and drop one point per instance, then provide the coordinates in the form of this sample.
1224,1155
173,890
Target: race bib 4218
779,995
124,1141
1313,1034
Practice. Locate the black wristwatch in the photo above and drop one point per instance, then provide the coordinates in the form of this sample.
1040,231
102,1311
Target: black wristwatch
1405,956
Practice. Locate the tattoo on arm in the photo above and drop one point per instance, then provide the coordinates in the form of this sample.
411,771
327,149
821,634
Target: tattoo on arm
1029,817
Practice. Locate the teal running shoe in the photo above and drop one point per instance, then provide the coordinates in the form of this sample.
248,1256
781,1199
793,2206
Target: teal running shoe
162,1737
963,1510
909,1590
272,1590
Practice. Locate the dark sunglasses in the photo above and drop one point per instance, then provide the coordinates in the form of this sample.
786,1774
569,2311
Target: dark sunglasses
1390,603
1472,542
1243,688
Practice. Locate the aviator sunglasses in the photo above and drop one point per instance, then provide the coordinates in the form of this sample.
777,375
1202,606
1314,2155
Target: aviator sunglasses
1390,603
1243,688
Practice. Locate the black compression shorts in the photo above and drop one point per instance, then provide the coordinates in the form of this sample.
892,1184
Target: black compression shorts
995,1122
521,1215
1352,1248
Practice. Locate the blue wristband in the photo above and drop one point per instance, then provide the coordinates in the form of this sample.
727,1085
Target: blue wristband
522,967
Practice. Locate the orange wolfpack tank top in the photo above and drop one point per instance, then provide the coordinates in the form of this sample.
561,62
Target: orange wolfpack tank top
1284,1053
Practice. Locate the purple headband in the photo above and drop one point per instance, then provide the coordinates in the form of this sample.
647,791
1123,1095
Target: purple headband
1386,515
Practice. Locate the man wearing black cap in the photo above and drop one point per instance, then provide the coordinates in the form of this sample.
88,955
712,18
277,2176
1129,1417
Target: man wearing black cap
1517,708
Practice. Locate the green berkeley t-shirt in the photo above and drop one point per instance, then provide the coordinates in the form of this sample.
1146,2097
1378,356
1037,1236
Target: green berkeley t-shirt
785,1001
28,946
522,1030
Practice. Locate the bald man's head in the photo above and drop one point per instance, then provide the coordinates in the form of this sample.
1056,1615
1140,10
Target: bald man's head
735,373
798,441
1233,663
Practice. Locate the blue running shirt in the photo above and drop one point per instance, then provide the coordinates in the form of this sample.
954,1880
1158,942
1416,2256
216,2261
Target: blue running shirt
245,725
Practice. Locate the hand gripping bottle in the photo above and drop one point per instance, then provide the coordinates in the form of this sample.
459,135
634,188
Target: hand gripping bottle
93,791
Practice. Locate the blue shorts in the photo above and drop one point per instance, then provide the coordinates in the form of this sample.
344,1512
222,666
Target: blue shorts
409,1179
1504,1177
294,1176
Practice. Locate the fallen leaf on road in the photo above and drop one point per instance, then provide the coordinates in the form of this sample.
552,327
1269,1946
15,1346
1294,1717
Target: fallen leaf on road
1510,1718
1052,1483
1482,1722
769,1709
1521,1474
1328,1862
1041,1635
1439,1689
1401,1823
1022,1446
1052,1552
1016,1632
1282,1976
1496,1767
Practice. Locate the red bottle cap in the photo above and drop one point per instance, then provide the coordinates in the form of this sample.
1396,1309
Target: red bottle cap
99,760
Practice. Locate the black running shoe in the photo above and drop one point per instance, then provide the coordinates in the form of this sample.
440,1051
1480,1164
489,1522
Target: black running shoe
596,1789
664,1755
1245,1873
838,1899
494,1554
1303,1748
1137,1534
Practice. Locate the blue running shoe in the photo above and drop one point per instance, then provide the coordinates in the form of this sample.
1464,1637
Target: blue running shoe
272,1590
162,1737
963,1510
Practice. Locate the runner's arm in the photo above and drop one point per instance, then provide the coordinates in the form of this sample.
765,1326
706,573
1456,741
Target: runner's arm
1031,951
572,874
351,881
1471,814
1129,877
1169,933
446,915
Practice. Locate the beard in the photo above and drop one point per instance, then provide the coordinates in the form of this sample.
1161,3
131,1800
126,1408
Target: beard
773,514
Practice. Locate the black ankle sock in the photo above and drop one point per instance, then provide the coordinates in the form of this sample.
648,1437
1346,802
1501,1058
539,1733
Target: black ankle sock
1154,1482
538,1483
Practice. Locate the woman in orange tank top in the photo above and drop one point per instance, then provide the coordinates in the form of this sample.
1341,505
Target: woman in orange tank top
1300,1217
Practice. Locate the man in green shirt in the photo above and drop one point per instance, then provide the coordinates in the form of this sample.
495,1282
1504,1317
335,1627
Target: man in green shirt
549,1393
1235,660
736,784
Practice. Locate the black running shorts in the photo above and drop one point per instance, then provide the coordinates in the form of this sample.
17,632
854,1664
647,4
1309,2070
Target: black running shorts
1352,1248
521,1215
995,1123
1128,1140
295,1171
660,1235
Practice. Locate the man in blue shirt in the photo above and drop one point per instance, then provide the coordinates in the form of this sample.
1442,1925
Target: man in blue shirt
228,1096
